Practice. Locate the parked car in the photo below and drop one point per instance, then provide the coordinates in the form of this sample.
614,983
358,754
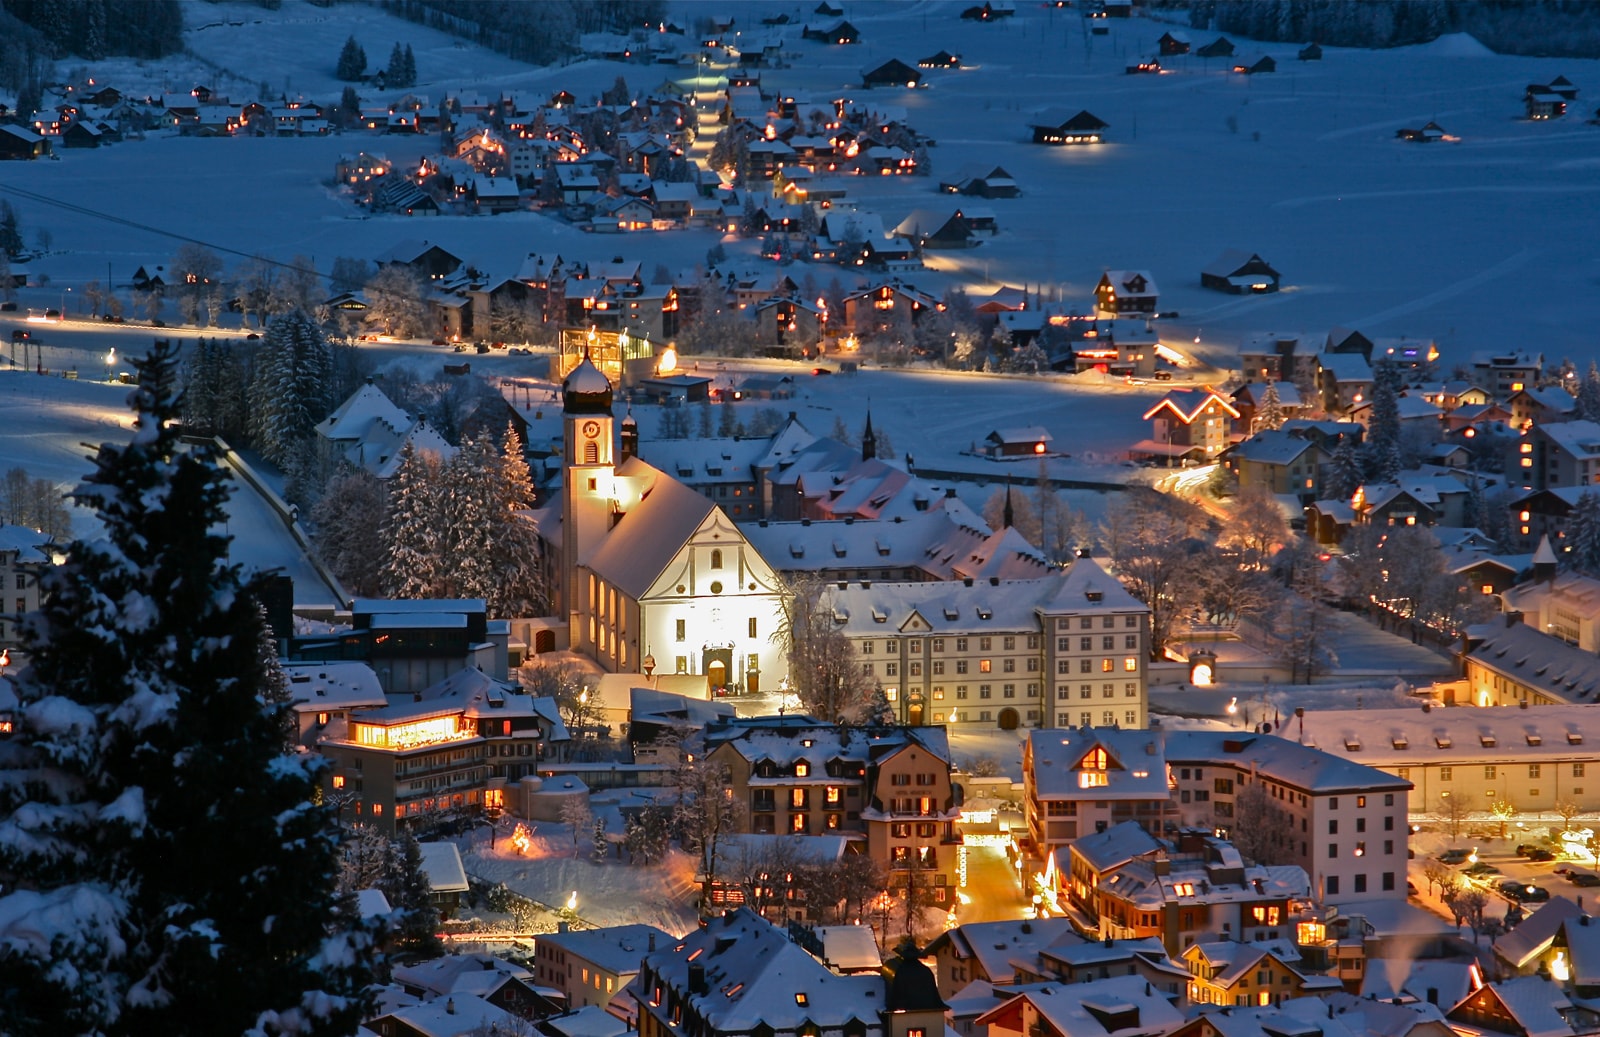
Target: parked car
20,335
1583,878
1529,849
8,307
1454,855
1522,892
1539,853
1481,869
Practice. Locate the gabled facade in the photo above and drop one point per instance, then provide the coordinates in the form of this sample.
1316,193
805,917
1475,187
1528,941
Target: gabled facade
1201,419
1085,781
1126,291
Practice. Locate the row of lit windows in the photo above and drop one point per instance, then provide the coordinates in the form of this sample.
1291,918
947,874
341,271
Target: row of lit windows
1108,717
1490,772
1086,691
1108,643
892,669
891,646
1129,664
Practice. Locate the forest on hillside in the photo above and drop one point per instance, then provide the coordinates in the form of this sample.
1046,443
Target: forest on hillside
540,33
1543,28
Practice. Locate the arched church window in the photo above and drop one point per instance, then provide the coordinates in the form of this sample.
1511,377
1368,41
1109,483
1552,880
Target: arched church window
591,453
716,558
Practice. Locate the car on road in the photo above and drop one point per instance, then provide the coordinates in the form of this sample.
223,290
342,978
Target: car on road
1583,878
1539,853
1480,869
1523,892
1454,856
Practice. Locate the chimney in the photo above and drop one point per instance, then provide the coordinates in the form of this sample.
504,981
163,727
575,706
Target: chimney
652,942
697,979
1433,995
450,1007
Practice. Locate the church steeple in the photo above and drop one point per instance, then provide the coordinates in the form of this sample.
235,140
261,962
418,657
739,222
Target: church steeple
869,441
1007,516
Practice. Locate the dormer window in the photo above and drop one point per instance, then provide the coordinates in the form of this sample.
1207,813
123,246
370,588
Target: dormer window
802,769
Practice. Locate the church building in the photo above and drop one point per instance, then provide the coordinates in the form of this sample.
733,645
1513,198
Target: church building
652,575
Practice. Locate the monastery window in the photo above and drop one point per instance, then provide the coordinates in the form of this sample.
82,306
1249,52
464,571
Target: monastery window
867,647
1010,643
1085,644
1130,641
891,646
1033,642
1085,666
916,669
961,666
915,646
938,644
1008,665
1130,691
891,669
961,644
1577,770
1108,622
984,643
1106,666
1108,642
1086,623
1033,665
938,667
1130,664
682,631
1131,718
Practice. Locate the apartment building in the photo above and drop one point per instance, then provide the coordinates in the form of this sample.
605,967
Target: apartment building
455,746
888,787
1061,650
24,558
1350,821
1079,782
1555,454
1534,759
1194,889
592,966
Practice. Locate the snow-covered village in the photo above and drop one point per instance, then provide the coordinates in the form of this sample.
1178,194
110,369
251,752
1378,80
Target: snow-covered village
888,518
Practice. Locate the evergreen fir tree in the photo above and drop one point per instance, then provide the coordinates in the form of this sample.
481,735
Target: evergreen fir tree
413,568
410,67
395,73
1270,414
705,419
10,231
289,393
1345,473
1383,430
405,886
727,418
471,519
352,61
1583,535
519,589
599,850
167,871
1589,394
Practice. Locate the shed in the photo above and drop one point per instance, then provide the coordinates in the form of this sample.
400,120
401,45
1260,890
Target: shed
893,72
1238,273
1056,127
1311,52
1221,47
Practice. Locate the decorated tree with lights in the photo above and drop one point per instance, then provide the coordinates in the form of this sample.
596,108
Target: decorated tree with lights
167,869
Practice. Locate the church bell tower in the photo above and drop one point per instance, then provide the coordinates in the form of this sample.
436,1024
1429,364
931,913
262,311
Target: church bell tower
588,469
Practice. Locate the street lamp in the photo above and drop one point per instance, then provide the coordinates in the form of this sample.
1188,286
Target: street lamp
111,361
1233,710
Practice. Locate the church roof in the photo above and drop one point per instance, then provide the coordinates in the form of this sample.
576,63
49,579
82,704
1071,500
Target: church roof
586,390
651,531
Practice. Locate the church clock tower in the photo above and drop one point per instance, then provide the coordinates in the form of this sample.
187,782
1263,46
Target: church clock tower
587,493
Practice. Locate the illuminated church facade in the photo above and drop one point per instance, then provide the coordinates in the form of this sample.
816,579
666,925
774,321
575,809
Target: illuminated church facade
649,574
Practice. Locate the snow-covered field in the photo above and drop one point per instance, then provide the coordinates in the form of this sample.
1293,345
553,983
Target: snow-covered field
1481,243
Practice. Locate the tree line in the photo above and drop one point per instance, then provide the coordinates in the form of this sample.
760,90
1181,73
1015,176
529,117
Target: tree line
1549,28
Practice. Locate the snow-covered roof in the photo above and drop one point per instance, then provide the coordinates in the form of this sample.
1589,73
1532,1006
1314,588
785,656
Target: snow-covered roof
588,1021
29,545
371,902
1112,848
1126,283
333,685
1346,367
1101,1008
617,949
1283,761
1273,446
784,740
454,1016
659,515
996,944
1391,738
848,948
441,862
1135,768
1534,659
1535,1003
1580,438
1535,933
754,976
457,974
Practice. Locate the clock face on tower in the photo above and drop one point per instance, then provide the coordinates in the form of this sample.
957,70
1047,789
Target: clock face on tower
591,429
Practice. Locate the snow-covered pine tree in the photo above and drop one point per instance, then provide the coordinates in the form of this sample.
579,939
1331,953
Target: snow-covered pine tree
599,850
405,886
1589,394
410,67
1383,430
352,506
289,393
412,530
471,519
1270,414
1584,535
1345,473
167,871
519,588
352,61
395,73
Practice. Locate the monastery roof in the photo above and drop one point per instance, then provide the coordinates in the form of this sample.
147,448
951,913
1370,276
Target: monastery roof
1280,759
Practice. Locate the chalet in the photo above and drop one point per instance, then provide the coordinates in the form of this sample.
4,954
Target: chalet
1188,422
996,183
1172,44
1543,513
1125,1005
1430,133
1563,86
1345,380
81,135
1506,373
1541,405
1310,52
943,59
1056,127
398,194
827,10
1414,412
1248,399
494,194
674,201
1544,103
1023,441
928,229
1227,972
864,307
1126,291
623,213
1249,67
787,320
1273,357
1465,420
19,142
1565,453
1221,47
989,12
148,278
893,72
427,260
841,34
1240,273
1127,350
1280,463
1395,504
